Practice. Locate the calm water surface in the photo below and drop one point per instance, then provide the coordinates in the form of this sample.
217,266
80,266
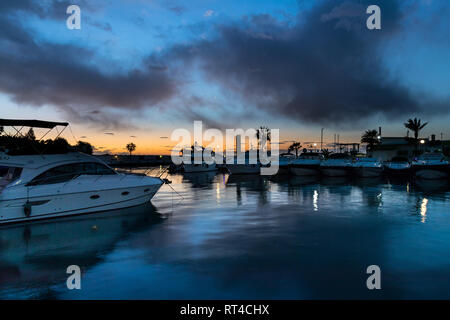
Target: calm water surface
232,237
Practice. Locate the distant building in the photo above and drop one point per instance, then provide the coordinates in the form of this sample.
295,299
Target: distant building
390,147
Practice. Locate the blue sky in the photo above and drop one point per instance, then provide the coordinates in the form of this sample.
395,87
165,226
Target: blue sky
148,67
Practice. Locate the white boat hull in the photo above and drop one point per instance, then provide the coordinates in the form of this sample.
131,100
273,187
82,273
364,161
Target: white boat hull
70,204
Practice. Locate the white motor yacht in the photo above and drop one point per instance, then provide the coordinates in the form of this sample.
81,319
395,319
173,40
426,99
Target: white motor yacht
307,164
200,167
246,168
283,163
397,166
196,163
367,167
337,165
34,187
431,166
244,165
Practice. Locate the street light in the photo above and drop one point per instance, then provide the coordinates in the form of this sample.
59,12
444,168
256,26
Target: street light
422,141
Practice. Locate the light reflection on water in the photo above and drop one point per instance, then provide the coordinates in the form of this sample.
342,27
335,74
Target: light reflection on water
244,237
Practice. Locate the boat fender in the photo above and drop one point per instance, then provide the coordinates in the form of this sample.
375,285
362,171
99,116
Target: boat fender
27,209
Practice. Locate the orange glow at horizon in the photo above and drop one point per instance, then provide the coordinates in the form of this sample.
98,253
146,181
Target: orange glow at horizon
158,142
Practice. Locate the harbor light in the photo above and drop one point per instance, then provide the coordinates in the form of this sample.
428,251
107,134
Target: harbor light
422,141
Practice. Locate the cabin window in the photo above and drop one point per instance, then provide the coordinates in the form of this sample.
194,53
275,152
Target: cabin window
9,174
97,169
68,172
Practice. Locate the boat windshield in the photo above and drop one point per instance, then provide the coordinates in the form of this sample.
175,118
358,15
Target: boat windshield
68,172
8,175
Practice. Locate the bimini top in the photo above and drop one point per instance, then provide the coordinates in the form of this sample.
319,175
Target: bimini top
31,123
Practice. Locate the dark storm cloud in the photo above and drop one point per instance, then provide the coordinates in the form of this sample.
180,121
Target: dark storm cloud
38,73
326,67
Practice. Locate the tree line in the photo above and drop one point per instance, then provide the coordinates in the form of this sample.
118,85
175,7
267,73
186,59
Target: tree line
28,144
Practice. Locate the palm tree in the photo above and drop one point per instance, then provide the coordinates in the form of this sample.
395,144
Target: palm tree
295,146
415,126
261,132
371,138
131,147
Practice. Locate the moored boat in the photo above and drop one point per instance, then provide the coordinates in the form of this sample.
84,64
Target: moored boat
337,165
200,167
431,166
398,166
247,164
306,164
196,162
245,168
367,167
284,163
35,187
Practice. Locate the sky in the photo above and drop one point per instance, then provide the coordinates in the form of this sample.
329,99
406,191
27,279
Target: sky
138,69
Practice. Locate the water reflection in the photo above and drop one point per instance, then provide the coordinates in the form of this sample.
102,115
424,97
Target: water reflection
200,179
32,255
423,209
244,237
432,186
254,184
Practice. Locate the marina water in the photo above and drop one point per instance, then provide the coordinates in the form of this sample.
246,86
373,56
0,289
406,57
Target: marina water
251,237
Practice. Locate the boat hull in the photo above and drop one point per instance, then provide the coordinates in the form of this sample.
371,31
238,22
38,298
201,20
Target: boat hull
244,168
71,204
304,170
431,172
282,170
193,168
336,171
368,172
392,171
